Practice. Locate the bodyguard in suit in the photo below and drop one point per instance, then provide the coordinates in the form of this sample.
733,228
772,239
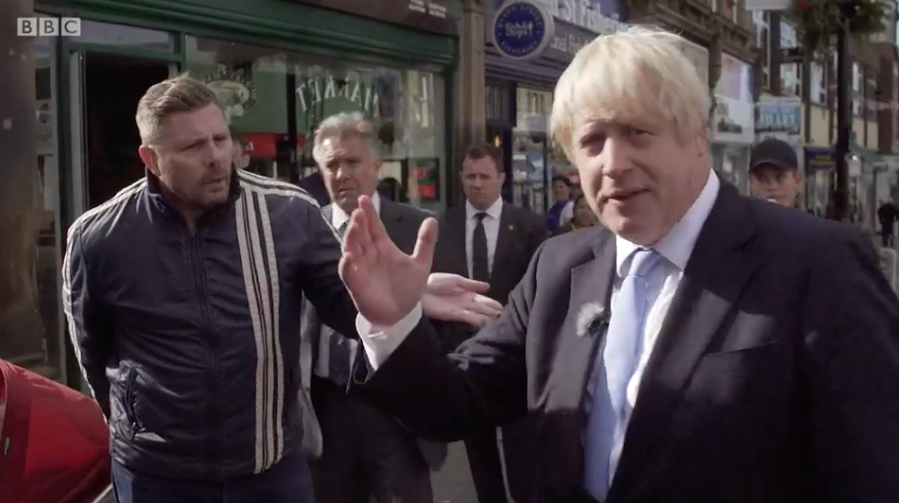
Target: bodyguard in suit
490,241
367,455
700,346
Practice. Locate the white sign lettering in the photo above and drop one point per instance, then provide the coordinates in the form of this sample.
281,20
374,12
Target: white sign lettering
582,13
319,89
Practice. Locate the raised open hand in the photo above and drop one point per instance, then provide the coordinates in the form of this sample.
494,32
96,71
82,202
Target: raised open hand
384,282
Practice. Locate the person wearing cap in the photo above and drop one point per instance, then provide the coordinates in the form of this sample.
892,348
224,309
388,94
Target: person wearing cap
774,172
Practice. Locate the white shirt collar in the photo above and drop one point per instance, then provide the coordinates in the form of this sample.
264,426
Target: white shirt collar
494,211
339,217
677,245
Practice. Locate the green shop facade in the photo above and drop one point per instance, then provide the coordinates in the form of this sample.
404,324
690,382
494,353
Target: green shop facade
279,66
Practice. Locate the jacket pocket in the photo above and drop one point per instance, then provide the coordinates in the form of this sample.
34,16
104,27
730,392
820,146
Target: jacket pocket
129,403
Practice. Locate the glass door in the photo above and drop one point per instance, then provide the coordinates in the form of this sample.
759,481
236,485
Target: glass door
104,72
104,138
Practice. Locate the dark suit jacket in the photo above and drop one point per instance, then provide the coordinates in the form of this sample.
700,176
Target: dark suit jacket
774,379
402,223
520,234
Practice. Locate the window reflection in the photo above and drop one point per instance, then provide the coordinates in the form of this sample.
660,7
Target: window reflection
269,94
536,159
36,336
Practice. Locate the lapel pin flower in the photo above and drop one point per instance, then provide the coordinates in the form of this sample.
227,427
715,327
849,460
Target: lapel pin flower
590,318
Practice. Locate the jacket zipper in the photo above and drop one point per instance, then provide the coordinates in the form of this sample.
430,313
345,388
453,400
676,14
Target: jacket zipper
130,412
207,332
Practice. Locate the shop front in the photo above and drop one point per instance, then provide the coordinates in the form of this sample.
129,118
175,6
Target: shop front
279,67
733,122
529,45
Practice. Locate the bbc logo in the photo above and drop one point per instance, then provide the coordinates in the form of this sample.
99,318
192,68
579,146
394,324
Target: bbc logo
48,27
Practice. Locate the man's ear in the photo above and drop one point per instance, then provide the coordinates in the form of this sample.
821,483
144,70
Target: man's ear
702,141
149,158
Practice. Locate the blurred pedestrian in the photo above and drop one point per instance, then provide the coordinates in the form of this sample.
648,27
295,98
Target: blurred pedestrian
583,217
561,212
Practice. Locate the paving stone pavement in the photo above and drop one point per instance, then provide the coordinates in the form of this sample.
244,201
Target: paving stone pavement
453,484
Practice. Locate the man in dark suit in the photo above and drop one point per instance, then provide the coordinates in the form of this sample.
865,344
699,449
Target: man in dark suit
367,455
701,346
490,241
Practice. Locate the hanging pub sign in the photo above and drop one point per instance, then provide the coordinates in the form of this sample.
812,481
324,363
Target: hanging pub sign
427,15
522,29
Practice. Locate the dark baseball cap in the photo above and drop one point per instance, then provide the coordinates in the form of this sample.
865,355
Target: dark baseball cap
773,152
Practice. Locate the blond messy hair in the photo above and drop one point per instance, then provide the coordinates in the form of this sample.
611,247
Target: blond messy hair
341,127
172,96
638,72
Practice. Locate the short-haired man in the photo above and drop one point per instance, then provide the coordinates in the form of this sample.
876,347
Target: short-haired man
368,456
490,241
774,172
699,346
183,296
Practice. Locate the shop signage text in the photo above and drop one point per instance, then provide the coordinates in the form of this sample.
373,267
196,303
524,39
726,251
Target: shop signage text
775,116
522,29
318,90
601,17
428,15
823,158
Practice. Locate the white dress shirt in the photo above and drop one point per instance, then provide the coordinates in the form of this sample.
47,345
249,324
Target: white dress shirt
675,248
491,228
339,217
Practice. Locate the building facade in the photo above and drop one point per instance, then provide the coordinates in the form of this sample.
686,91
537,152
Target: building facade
519,94
516,97
789,75
279,66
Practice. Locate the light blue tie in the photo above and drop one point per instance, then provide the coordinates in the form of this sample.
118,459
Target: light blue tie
606,427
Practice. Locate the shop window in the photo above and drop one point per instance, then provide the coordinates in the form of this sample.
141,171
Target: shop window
32,315
275,100
535,158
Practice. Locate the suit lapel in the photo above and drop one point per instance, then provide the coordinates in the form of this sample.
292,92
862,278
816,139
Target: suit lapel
391,218
719,269
589,301
505,238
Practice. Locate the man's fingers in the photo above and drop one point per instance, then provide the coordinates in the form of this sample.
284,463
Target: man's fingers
486,306
471,318
356,238
372,219
471,285
424,246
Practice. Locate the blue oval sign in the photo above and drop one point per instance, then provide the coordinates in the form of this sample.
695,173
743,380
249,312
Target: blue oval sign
522,29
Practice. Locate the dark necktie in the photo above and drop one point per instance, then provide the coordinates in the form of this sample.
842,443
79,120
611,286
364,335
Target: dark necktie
480,261
340,349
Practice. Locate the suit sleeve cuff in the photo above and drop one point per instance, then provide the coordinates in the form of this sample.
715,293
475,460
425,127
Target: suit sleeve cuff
381,342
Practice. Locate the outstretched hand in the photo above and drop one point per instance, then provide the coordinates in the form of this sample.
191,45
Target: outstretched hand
451,297
384,283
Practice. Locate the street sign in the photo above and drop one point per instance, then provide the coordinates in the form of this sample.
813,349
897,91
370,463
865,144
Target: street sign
767,4
888,259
